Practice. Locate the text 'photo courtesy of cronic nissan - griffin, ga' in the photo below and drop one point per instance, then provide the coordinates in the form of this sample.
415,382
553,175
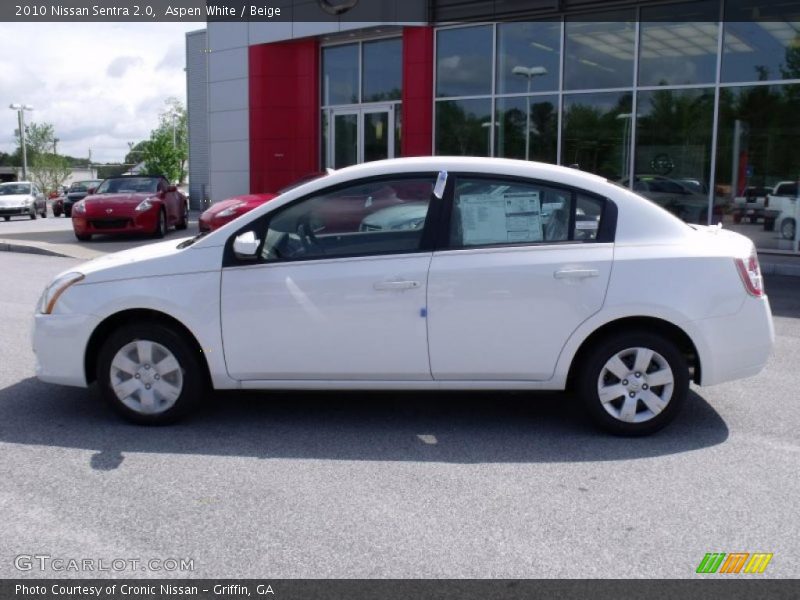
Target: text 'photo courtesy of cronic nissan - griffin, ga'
431,273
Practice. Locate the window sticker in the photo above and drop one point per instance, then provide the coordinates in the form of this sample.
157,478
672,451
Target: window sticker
494,218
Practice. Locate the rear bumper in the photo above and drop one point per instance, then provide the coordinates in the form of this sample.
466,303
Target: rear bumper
735,346
59,343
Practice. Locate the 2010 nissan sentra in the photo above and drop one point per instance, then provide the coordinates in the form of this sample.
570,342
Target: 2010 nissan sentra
513,275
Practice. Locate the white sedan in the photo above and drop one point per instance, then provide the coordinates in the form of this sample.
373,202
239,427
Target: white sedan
520,276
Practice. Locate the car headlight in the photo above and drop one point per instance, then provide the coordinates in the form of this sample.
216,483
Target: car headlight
79,207
144,205
231,210
57,287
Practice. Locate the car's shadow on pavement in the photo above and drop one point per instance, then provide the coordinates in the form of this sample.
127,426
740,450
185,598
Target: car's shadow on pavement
409,426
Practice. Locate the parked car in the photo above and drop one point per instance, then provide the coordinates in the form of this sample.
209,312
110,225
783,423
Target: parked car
680,197
223,212
77,192
130,204
488,293
782,213
21,198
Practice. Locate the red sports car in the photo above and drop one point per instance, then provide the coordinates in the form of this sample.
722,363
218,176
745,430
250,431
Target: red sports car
225,211
131,204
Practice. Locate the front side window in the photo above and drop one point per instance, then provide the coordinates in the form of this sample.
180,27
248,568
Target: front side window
367,218
500,212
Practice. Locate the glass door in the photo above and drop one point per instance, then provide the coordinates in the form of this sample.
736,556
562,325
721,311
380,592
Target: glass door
362,134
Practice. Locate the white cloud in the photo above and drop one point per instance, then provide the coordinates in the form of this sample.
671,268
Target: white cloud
101,85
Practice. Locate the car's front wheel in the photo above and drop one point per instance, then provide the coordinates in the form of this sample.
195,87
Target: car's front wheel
161,225
149,373
33,213
633,383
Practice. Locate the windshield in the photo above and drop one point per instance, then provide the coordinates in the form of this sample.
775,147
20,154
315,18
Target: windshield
11,189
83,186
129,185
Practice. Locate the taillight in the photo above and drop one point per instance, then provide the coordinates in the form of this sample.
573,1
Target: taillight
750,272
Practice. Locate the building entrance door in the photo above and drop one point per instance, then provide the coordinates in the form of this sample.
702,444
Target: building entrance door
361,134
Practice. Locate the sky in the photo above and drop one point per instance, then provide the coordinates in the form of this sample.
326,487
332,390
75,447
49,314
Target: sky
101,85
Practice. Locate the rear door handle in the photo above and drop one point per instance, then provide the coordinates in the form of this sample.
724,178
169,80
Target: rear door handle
396,285
576,273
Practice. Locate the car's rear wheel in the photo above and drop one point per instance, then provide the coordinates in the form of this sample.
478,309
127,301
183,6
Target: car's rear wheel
161,225
6,218
787,229
149,373
44,212
633,383
84,237
184,220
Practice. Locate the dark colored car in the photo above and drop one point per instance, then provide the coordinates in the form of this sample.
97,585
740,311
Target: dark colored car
77,192
131,204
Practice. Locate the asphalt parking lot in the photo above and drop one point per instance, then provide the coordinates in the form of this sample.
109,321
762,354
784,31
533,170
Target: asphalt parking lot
394,485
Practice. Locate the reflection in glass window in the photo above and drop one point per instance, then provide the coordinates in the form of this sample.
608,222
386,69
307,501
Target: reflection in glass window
464,61
538,115
761,41
676,53
340,75
378,217
383,70
599,54
757,138
673,150
528,57
463,127
597,133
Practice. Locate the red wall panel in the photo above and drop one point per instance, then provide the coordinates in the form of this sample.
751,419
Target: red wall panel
417,128
284,113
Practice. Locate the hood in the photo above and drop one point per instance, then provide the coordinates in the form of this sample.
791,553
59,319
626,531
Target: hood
121,199
153,260
14,199
250,201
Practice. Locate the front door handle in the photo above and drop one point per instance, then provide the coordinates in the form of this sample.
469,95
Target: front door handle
401,284
576,273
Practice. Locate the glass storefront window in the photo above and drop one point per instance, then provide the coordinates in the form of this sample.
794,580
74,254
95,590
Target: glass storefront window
679,53
757,162
761,41
464,61
340,75
599,53
597,132
673,150
383,70
538,115
463,127
528,57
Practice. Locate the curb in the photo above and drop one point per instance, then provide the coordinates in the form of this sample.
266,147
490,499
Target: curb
9,247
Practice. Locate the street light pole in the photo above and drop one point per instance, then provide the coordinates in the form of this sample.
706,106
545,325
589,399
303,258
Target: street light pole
21,108
530,73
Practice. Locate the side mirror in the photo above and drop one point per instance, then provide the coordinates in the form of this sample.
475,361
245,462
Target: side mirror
172,188
245,245
91,191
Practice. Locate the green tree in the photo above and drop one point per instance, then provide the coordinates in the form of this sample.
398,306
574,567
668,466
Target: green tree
49,170
167,150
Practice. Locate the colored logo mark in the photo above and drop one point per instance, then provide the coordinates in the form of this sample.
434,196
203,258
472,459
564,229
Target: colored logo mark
735,562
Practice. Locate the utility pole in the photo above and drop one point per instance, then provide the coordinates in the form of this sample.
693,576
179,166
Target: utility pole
21,108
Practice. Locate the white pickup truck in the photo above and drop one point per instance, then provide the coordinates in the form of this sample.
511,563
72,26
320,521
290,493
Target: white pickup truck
775,206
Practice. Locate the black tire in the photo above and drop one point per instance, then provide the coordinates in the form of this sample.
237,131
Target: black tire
787,229
184,221
56,213
6,218
193,377
594,366
161,225
33,214
44,213
769,224
68,212
84,237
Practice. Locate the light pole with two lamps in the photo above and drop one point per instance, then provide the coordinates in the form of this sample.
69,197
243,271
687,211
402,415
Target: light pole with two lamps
21,108
530,73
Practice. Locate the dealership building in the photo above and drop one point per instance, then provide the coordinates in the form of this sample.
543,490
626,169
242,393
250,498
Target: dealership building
695,104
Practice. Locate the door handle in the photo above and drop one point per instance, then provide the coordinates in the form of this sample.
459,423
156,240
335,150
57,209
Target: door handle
576,273
396,285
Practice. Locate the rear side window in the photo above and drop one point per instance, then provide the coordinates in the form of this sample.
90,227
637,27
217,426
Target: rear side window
489,212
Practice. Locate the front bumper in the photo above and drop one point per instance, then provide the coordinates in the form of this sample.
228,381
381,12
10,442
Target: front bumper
118,222
735,346
59,343
15,210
